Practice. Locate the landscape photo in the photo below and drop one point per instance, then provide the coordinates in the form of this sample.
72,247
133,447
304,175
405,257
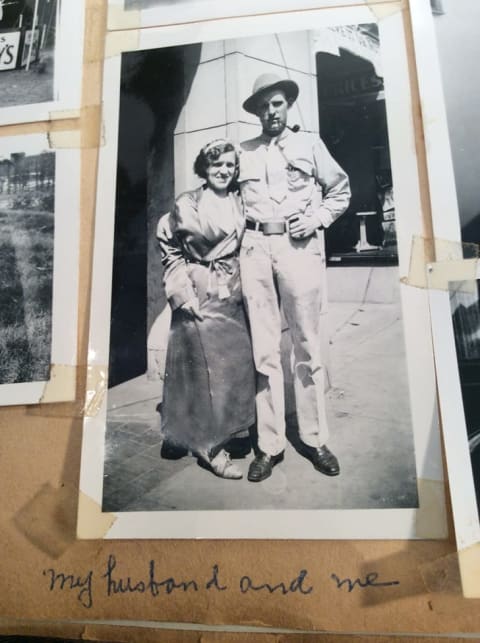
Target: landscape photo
27,186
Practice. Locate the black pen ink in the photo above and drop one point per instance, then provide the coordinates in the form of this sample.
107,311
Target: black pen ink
214,582
127,586
370,581
61,581
296,585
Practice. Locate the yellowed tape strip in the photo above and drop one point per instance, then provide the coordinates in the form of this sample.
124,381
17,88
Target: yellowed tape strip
432,518
118,18
96,389
469,564
92,522
61,386
88,136
64,139
463,272
384,10
423,252
64,114
118,41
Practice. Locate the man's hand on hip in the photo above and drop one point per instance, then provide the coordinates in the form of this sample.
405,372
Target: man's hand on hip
302,225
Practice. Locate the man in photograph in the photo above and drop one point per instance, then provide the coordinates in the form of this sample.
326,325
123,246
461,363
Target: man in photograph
291,189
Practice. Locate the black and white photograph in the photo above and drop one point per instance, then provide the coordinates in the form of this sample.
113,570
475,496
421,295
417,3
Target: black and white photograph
27,35
261,349
40,58
27,199
39,213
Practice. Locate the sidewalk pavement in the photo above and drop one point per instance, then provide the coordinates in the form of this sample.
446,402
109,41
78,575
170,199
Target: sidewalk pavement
369,424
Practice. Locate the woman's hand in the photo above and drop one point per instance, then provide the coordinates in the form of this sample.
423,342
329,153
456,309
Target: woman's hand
192,308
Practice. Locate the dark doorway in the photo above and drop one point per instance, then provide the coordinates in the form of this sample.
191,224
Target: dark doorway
353,125
154,86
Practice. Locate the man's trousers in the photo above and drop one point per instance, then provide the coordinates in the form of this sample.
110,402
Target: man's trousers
278,271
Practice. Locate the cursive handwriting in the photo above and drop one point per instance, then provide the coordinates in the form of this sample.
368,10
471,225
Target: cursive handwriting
71,582
370,581
110,582
296,585
152,586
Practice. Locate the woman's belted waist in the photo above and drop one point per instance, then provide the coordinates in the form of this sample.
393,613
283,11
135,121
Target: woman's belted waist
222,269
208,263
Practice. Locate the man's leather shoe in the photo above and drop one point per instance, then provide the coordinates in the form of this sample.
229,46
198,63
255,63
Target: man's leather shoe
324,461
262,466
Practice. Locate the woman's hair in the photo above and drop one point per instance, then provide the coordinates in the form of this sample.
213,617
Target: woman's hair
210,153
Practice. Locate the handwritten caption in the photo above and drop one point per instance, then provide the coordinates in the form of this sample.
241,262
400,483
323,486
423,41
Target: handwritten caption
110,583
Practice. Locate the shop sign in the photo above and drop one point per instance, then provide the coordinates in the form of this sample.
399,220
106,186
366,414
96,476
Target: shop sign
351,86
9,45
26,46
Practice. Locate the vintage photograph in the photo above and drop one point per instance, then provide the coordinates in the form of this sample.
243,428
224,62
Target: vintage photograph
258,334
27,203
39,214
27,51
40,58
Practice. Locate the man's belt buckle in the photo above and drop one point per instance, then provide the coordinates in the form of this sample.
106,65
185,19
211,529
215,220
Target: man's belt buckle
274,227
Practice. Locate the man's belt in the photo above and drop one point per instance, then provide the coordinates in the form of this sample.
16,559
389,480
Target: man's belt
267,227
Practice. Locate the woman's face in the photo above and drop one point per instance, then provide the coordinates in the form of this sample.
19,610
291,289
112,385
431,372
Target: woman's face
220,173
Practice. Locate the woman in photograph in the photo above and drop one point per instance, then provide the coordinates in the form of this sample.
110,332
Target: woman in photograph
209,389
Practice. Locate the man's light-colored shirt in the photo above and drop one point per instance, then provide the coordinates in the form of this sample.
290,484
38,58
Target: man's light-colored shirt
303,174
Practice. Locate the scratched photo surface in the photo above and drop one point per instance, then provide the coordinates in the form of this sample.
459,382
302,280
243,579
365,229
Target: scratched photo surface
27,201
180,98
27,51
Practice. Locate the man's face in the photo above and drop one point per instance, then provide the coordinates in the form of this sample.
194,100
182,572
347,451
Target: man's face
272,111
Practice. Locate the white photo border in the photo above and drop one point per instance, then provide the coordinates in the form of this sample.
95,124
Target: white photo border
429,520
67,83
61,386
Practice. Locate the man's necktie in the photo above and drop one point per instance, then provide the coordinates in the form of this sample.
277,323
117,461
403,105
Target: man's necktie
275,173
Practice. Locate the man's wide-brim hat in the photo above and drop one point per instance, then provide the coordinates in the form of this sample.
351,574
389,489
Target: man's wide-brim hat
267,82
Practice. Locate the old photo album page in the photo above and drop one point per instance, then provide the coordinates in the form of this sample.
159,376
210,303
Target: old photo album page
39,228
270,374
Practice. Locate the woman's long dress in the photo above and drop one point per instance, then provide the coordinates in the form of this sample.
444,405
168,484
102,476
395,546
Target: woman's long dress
209,388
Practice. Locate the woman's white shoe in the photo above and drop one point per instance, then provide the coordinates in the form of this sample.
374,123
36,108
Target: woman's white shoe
223,467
